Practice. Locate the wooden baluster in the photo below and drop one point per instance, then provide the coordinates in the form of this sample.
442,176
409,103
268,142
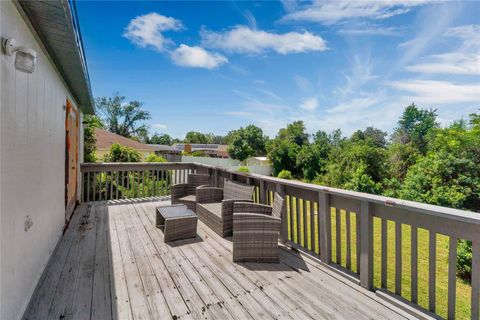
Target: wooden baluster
432,275
262,192
125,196
347,229
116,194
338,237
284,226
366,245
305,225
312,226
452,276
357,226
88,187
324,227
384,261
414,264
299,224
111,185
100,187
475,297
398,258
290,209
143,183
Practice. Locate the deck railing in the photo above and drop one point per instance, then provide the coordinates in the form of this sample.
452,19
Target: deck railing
362,235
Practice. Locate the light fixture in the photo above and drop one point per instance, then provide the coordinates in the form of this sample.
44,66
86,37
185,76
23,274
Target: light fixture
25,58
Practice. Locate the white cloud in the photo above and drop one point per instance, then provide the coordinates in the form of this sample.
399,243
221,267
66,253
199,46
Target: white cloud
371,31
159,126
242,39
439,92
333,11
239,113
309,104
464,60
197,57
146,30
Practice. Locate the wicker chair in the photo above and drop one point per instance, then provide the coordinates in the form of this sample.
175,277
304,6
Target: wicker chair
256,228
184,193
215,205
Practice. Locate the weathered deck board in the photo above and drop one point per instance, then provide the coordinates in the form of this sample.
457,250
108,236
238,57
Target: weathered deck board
112,263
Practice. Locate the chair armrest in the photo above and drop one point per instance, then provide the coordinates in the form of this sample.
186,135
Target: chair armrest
252,208
209,194
227,206
255,222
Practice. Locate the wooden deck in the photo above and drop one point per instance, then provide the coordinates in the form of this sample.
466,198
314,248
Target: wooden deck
112,263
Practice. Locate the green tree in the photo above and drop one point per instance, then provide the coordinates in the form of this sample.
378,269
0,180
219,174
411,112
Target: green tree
89,147
356,164
119,153
196,137
247,142
414,126
163,138
312,159
283,150
123,118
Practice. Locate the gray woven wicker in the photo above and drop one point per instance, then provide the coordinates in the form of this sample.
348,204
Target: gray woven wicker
256,228
184,193
215,205
177,222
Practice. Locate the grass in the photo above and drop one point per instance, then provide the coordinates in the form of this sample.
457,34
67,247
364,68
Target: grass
463,289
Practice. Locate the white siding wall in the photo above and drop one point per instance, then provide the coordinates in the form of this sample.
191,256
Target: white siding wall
32,153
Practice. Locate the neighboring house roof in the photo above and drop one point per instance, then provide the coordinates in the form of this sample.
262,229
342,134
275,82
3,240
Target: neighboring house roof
106,138
162,147
56,24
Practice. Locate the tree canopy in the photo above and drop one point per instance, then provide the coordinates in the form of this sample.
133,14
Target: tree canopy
122,118
246,142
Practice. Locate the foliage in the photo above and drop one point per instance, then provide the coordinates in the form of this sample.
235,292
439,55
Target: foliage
119,153
123,118
246,142
154,158
163,139
205,138
90,123
283,150
414,126
312,159
243,169
193,154
285,174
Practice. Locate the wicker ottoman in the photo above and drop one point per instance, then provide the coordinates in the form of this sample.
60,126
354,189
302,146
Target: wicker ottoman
177,222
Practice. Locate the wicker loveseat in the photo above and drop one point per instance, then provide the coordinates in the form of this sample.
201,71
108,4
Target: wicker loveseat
256,228
215,205
184,193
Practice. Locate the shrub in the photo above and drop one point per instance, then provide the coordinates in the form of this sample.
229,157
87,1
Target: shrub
464,260
285,174
243,169
119,153
154,158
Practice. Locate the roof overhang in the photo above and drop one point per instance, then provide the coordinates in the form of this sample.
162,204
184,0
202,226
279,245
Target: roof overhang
56,23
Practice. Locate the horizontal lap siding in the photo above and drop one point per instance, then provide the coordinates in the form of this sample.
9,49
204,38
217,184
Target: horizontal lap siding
32,166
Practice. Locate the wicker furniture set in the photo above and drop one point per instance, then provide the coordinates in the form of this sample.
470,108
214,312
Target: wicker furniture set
227,211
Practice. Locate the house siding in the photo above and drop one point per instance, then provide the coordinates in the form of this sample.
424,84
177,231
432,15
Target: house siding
32,166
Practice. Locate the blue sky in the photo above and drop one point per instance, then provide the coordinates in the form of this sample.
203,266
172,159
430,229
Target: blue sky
216,66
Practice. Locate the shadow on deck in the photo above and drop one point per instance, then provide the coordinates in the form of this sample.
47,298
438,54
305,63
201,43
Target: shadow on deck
112,263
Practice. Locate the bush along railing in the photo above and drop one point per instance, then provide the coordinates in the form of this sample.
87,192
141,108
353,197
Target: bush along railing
405,251
115,181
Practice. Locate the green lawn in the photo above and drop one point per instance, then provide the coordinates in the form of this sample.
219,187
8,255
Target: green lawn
463,289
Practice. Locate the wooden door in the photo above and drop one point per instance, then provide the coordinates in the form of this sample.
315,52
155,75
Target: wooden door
71,159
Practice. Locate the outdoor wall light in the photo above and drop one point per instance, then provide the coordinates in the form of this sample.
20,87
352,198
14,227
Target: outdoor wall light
25,58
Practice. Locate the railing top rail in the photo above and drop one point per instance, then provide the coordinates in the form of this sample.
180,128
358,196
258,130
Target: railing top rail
439,211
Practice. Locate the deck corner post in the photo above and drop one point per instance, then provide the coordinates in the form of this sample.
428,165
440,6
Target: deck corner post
324,228
280,189
366,245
